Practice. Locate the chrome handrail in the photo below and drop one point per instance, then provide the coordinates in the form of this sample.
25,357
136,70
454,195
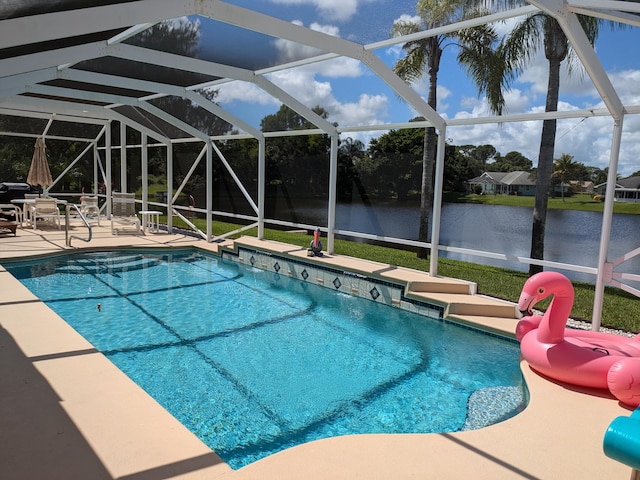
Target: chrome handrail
66,224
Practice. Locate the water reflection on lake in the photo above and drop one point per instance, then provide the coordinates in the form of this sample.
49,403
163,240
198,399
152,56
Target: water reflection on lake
571,236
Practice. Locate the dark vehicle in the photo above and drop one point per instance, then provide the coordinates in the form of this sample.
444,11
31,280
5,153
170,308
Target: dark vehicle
10,191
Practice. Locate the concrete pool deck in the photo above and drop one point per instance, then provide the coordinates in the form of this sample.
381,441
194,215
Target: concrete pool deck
66,412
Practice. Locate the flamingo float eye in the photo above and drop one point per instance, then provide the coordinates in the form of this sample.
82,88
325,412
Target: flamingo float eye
540,290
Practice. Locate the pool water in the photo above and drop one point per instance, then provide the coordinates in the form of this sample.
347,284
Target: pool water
254,362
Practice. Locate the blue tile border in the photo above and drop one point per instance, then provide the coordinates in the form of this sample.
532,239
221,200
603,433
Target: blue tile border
373,289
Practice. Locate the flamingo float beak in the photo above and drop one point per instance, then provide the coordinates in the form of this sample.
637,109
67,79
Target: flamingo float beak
526,303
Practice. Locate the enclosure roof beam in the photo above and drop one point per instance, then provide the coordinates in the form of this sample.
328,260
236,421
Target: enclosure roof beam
79,113
51,58
15,84
59,107
618,5
180,62
621,17
277,28
185,127
275,91
59,117
84,21
194,65
161,88
222,113
117,116
114,99
87,95
122,82
585,51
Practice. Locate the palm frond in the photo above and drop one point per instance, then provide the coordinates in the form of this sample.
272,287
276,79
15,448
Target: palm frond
412,66
523,42
484,65
401,28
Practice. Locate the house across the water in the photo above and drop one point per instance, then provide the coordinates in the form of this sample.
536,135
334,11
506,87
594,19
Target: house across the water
503,183
627,189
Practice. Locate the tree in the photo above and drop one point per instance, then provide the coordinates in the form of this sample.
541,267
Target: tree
563,168
350,152
478,157
296,164
596,175
423,57
512,162
396,160
536,31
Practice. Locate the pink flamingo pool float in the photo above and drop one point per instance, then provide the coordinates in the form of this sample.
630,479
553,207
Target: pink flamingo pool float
577,357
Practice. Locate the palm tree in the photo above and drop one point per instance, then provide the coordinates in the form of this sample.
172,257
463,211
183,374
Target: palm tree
563,167
423,57
536,31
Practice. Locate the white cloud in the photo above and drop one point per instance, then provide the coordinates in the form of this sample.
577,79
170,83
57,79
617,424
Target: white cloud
290,51
626,84
368,110
340,10
302,85
408,19
339,67
243,91
588,140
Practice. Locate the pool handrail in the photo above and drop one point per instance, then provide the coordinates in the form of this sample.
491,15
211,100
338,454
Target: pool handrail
66,224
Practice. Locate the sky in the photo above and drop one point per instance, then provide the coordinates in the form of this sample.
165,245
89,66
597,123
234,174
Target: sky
353,95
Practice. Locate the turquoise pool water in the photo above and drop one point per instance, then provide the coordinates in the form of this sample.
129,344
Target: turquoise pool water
254,362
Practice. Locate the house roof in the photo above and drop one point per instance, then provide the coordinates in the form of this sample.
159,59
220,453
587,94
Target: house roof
630,182
505,178
627,183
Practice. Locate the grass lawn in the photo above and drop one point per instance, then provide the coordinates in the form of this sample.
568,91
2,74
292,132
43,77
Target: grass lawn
576,202
621,309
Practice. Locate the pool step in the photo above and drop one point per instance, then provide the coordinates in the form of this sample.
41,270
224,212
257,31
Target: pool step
467,304
442,285
422,282
458,297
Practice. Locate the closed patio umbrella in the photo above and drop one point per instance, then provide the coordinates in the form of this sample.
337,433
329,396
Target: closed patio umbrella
39,173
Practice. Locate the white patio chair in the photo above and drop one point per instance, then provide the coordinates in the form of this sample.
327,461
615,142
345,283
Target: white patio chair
89,208
45,208
123,214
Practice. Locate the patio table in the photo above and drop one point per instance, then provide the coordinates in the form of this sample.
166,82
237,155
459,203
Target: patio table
150,220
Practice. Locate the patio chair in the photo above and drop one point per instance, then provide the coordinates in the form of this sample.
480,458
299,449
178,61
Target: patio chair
89,208
45,208
9,210
123,214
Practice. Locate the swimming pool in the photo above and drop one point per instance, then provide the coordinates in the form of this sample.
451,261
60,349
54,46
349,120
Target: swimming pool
254,362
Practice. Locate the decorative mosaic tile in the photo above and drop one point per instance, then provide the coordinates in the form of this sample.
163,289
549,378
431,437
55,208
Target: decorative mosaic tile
379,290
374,293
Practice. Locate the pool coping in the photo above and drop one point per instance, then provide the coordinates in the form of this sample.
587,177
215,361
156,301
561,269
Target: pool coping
61,411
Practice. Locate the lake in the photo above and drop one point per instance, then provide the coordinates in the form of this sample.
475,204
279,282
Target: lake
571,236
